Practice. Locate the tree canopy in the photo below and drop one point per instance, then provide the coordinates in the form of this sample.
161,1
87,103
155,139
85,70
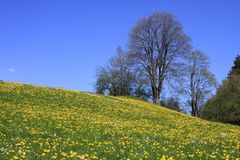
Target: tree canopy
225,105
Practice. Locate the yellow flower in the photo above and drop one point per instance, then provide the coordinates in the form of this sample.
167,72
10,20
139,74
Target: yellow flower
81,156
54,157
163,157
72,153
46,150
93,157
170,158
64,154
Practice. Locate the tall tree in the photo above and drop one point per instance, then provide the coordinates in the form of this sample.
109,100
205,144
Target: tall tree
156,42
199,81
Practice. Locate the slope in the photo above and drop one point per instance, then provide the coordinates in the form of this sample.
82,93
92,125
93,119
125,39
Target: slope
50,123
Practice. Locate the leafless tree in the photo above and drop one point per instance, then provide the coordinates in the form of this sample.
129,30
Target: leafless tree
156,44
199,82
118,78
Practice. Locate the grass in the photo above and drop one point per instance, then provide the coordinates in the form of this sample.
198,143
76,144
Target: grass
47,123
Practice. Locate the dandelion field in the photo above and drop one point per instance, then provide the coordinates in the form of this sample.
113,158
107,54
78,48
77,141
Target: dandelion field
50,123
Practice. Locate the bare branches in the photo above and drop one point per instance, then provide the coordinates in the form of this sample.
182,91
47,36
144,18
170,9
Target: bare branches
199,82
156,42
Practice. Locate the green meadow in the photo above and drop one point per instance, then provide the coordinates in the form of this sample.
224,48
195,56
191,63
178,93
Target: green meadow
51,123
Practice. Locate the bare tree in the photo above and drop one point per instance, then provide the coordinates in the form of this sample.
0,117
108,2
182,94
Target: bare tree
199,81
118,78
156,44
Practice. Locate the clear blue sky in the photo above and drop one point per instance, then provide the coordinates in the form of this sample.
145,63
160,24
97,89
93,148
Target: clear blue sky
61,43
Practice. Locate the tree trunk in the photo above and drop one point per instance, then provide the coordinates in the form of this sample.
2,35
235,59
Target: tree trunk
156,95
194,109
157,100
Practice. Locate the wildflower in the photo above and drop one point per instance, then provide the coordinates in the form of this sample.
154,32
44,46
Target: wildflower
54,157
81,156
46,150
20,151
163,157
64,154
72,153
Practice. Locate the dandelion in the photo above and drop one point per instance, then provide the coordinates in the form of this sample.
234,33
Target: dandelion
54,157
72,153
64,154
46,150
20,151
81,156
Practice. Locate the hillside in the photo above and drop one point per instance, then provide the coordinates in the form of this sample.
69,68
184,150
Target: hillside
49,123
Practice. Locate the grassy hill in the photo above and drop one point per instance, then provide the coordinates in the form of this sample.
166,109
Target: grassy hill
49,123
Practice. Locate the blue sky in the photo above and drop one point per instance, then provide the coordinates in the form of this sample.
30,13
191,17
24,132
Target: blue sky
61,43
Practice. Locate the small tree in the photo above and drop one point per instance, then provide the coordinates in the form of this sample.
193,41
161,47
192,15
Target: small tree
199,81
171,103
118,78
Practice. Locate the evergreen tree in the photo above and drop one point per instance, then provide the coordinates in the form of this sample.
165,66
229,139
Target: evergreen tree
236,68
225,105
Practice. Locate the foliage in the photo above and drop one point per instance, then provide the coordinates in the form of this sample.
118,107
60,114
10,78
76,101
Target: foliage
48,123
236,67
225,105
